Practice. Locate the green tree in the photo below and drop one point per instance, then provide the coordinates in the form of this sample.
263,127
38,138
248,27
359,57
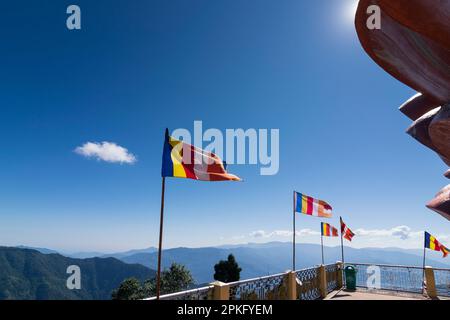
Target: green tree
149,288
176,278
129,289
227,270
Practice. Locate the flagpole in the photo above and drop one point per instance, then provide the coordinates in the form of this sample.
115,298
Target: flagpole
423,265
293,234
321,243
342,242
161,221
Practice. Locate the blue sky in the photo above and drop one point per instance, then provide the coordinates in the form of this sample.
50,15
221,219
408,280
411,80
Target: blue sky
138,67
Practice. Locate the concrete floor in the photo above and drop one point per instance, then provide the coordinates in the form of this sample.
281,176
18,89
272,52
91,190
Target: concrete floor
371,295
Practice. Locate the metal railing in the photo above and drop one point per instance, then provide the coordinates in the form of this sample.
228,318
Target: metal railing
203,293
264,288
308,288
391,277
332,276
442,282
309,284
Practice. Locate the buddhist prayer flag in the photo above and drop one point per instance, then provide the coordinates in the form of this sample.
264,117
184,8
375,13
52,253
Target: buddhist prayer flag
312,207
346,232
432,244
182,160
328,230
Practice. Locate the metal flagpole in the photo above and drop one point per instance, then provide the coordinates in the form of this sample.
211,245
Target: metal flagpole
321,242
342,242
161,221
293,233
423,266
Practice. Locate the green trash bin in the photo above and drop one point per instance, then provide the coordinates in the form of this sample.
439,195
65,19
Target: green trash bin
350,277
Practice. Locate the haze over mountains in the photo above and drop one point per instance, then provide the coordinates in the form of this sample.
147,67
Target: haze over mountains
91,254
269,258
260,260
118,255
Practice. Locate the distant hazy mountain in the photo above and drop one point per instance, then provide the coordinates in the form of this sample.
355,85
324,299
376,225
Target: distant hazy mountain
273,244
117,255
41,250
120,255
91,254
29,274
83,255
269,258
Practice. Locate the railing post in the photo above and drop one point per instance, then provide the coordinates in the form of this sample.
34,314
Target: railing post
430,282
323,281
221,291
339,270
291,283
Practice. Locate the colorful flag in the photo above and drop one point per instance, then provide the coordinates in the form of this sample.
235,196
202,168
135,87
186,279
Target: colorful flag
312,207
182,160
346,232
432,244
328,230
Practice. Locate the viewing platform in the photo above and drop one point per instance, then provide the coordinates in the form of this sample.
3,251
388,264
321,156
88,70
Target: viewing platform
362,294
327,282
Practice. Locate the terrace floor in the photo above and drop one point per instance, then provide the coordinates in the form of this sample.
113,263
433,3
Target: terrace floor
373,295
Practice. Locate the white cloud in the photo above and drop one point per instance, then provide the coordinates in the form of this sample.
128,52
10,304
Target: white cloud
399,236
258,234
106,151
401,232
282,233
307,232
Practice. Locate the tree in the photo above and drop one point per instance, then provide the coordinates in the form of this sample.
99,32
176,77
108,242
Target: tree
149,288
227,270
176,278
129,289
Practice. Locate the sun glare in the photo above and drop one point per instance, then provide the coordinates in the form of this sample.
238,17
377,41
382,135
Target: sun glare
343,12
349,9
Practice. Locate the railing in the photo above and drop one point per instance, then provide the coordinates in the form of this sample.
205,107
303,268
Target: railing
308,289
391,277
332,271
264,288
315,283
203,293
442,282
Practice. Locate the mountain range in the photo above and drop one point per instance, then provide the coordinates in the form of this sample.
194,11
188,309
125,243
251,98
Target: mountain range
28,274
117,255
269,258
259,260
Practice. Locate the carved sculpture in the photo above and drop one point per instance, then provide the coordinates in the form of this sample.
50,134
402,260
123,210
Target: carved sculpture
413,45
441,203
